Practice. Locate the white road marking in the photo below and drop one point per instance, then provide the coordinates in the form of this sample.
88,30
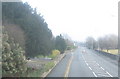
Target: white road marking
105,71
94,74
102,68
87,64
109,74
83,57
90,68
103,75
98,64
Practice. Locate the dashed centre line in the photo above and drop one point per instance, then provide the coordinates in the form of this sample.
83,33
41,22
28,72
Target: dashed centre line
95,74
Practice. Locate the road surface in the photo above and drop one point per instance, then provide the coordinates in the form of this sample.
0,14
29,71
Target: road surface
85,64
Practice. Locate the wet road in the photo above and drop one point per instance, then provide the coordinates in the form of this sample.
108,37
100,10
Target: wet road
85,64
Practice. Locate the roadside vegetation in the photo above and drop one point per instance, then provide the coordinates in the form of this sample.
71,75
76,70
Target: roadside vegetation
28,39
108,44
111,51
31,72
54,54
13,59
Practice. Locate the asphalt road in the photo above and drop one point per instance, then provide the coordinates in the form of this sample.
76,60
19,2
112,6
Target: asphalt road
85,64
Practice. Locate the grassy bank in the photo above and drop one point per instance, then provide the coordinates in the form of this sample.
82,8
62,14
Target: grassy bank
112,51
31,72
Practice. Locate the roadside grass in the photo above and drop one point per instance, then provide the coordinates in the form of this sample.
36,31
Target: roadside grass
33,72
48,66
38,72
49,56
112,51
40,56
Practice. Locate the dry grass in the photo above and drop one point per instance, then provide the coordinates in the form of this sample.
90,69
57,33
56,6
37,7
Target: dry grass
112,51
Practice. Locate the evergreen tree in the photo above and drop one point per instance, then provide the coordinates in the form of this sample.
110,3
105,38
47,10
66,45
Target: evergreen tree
60,44
39,37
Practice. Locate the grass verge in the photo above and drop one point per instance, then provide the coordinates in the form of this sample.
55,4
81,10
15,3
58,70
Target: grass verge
112,51
38,72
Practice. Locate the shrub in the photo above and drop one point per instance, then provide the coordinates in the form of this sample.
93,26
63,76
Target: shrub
55,52
13,59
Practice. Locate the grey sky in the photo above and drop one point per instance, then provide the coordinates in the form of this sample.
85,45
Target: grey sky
79,18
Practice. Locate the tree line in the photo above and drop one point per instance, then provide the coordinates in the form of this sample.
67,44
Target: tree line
39,39
106,42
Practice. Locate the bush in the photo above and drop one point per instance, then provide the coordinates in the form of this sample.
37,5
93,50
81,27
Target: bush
54,54
13,59
38,72
69,48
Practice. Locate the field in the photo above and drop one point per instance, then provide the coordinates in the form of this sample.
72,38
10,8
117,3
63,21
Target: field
112,51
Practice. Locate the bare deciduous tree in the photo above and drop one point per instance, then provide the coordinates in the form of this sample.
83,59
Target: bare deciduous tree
108,42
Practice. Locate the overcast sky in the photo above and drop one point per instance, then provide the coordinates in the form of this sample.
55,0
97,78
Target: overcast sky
79,18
